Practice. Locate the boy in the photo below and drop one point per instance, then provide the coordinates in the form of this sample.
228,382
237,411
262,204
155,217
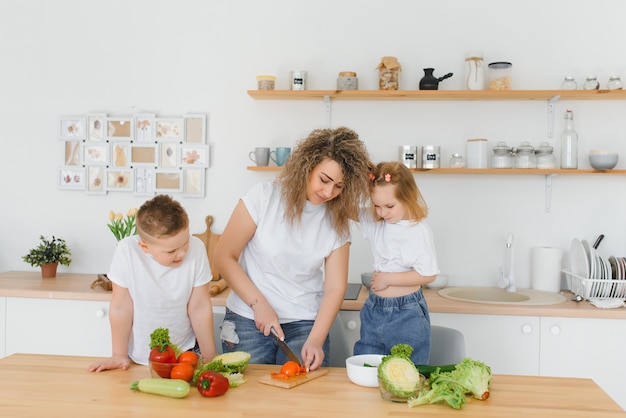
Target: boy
160,280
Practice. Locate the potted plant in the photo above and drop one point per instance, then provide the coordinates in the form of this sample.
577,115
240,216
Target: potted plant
48,255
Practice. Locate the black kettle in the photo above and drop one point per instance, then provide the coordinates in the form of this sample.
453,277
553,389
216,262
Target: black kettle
429,81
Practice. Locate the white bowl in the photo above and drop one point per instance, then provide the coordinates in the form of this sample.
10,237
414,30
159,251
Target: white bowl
363,375
440,282
603,160
366,279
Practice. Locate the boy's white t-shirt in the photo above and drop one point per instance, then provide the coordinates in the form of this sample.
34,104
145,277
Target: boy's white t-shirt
400,247
160,294
285,261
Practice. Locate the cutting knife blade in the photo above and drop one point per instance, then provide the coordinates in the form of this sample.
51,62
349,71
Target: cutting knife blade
283,346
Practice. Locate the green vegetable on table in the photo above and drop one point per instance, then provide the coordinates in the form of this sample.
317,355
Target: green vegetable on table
397,372
231,365
174,388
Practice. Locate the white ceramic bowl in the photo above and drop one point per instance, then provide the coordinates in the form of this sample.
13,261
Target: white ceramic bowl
440,282
366,279
603,160
363,375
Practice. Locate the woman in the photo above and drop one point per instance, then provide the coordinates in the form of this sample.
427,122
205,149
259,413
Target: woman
284,251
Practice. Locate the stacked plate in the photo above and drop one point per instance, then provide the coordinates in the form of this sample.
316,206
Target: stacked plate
608,275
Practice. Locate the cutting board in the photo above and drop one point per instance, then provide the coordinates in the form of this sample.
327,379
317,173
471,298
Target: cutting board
293,381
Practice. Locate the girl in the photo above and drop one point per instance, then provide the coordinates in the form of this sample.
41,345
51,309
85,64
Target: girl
404,260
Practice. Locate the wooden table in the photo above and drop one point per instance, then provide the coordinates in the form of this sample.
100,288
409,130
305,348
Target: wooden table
60,386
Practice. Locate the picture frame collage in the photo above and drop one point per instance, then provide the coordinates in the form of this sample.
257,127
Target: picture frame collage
142,154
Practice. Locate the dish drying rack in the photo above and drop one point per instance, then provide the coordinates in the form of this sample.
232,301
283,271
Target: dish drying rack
595,288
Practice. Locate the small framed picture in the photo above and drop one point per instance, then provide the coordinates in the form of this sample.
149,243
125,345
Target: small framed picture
143,154
95,153
95,179
72,127
194,155
195,128
194,182
72,152
169,129
96,127
119,180
72,178
120,128
144,181
168,181
168,155
120,154
145,127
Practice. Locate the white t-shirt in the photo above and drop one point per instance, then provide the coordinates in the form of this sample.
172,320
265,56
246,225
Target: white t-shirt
400,247
160,294
285,261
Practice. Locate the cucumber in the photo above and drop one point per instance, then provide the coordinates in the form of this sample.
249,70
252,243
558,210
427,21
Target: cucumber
174,388
427,369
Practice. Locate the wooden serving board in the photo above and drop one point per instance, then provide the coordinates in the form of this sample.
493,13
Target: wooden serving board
293,381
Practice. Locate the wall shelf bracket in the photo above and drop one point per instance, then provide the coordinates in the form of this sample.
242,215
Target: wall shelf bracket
548,207
551,103
327,109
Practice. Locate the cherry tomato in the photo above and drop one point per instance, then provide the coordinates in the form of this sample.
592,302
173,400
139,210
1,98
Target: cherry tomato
188,357
182,371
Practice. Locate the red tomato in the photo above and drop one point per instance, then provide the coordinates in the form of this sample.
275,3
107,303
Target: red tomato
163,354
182,371
188,357
290,368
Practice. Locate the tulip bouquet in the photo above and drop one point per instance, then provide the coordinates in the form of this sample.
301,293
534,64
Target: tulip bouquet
121,226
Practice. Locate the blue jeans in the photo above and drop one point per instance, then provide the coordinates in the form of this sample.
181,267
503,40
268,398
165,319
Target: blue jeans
265,350
386,322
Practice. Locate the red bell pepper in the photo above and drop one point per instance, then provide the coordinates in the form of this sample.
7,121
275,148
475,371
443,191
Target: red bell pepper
211,384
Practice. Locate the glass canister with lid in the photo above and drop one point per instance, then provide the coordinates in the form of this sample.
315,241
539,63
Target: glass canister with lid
502,157
544,154
525,156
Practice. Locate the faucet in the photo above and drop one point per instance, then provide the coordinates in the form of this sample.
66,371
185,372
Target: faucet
507,279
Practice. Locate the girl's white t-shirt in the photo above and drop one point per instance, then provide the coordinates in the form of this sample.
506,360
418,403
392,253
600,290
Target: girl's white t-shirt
400,247
285,261
160,294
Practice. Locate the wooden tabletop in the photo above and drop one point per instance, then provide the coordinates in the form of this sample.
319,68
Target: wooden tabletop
60,386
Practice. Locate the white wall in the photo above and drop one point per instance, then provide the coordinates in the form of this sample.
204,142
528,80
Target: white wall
73,57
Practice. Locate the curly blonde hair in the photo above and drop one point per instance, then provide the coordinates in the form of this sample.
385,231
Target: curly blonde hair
341,145
406,191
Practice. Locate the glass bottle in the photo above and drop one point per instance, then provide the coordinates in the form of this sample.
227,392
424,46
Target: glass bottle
569,83
591,83
474,71
615,83
569,143
456,161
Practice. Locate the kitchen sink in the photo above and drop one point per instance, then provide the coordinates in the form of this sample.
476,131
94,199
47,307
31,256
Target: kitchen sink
493,295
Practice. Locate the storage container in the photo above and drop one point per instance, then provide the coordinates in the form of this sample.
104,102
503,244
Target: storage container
500,75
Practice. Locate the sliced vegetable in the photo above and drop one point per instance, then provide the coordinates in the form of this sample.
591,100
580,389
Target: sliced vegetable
227,363
212,384
174,388
288,370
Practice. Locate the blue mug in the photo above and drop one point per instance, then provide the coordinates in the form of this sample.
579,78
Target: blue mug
280,155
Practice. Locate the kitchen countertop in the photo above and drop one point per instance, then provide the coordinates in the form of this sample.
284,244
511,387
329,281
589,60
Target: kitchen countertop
76,286
60,386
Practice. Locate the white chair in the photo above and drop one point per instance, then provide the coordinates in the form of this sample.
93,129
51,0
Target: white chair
447,346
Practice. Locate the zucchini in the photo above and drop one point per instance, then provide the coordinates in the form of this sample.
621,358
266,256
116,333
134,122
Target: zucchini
174,388
427,369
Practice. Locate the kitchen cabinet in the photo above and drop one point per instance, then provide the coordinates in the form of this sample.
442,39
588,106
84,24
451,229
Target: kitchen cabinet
508,344
57,326
588,348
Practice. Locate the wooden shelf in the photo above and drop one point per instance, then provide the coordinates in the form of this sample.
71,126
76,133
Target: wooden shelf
505,171
438,94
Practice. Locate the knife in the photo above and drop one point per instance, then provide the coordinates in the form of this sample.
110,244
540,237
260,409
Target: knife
283,346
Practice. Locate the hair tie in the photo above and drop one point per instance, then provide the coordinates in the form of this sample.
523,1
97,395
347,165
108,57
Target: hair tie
371,176
387,178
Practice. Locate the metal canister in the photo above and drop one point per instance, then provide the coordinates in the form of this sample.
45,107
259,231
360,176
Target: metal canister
410,156
430,156
297,80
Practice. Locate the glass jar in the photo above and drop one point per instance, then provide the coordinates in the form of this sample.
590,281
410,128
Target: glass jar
502,157
525,156
265,82
500,75
347,81
569,83
545,156
591,83
456,161
615,83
